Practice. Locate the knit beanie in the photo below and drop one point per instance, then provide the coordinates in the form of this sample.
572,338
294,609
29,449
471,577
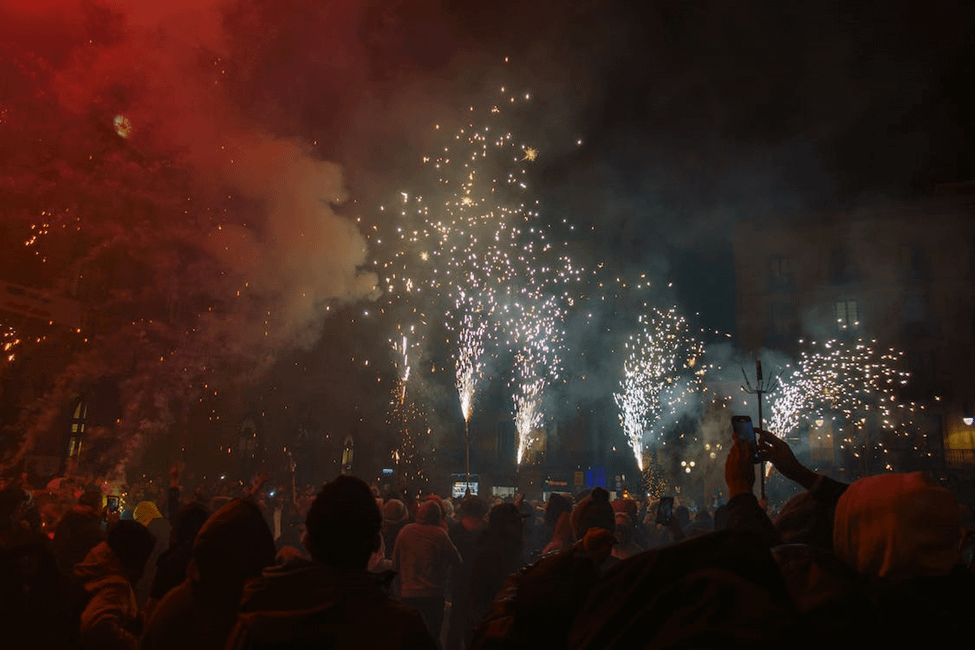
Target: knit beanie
394,512
897,525
594,511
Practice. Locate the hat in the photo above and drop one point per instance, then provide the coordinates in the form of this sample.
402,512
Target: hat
473,506
394,512
593,512
145,512
897,525
429,512
505,513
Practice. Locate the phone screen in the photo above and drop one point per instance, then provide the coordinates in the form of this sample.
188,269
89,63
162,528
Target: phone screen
112,502
742,424
665,509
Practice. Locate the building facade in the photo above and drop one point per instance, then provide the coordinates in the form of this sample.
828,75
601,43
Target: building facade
901,274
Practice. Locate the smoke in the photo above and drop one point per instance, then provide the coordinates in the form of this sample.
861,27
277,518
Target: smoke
252,258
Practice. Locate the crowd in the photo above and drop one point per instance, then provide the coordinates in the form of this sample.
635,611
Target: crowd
885,560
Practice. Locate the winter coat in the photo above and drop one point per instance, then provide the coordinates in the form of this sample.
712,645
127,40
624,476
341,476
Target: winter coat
79,531
301,603
423,556
721,590
111,618
232,546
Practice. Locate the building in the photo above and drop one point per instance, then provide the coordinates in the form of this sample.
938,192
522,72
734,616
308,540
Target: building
900,273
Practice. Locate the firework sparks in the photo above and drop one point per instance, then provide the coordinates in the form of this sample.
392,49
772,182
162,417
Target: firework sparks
660,373
123,126
536,337
845,380
469,361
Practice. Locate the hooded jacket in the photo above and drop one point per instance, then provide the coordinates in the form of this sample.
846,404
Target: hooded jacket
423,555
111,618
303,603
232,546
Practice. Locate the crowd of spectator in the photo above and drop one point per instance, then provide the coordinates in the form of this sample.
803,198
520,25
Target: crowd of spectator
885,560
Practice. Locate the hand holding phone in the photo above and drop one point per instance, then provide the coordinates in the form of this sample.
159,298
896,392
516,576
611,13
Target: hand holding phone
113,502
742,425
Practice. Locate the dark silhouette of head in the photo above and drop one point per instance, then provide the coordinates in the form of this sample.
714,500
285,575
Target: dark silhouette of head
343,524
132,544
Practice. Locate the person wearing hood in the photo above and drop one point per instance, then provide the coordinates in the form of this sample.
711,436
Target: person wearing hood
465,535
171,565
536,606
233,546
108,574
395,517
330,600
499,553
79,531
423,557
147,514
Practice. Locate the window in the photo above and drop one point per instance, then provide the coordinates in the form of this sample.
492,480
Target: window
79,421
847,315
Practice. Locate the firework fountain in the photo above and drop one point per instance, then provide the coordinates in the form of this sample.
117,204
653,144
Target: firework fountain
661,371
473,248
848,383
536,339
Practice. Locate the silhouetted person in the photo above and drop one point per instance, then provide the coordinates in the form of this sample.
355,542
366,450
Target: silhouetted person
109,574
330,600
233,546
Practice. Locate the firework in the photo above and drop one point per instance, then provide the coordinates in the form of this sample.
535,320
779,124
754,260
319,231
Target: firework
661,371
537,341
844,381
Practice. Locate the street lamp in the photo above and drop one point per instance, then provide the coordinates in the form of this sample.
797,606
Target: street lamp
967,417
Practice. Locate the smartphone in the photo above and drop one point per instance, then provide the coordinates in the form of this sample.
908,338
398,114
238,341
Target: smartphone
113,501
742,424
665,509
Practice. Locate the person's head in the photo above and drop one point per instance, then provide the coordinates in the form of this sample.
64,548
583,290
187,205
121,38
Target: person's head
506,520
897,525
91,499
343,524
557,504
233,545
145,512
395,512
189,519
132,544
594,511
429,513
624,528
473,507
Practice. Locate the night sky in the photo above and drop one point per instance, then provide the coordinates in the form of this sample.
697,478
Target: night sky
692,116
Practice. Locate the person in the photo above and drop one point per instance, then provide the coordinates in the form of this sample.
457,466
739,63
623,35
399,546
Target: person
171,565
329,600
34,608
901,533
147,514
537,605
464,534
232,547
79,531
423,557
395,517
498,554
109,573
626,534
